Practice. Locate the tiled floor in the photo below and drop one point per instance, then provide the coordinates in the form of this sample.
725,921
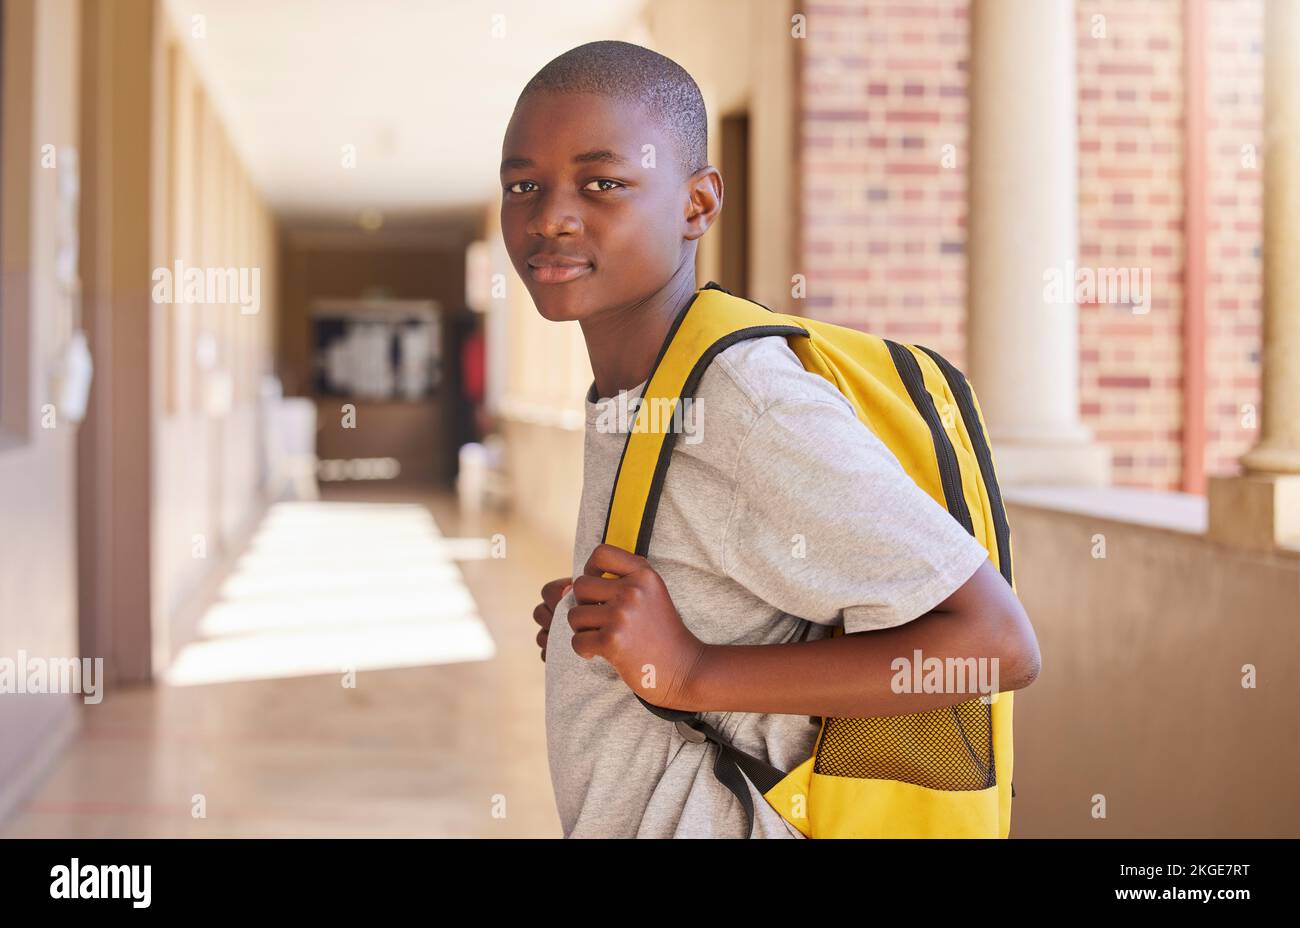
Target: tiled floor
442,733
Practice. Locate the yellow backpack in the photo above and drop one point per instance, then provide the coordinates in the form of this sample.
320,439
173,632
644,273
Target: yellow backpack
941,773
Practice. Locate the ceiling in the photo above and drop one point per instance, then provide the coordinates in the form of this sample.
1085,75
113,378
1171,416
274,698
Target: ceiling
422,88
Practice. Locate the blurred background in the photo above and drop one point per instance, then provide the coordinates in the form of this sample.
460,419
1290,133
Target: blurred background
285,444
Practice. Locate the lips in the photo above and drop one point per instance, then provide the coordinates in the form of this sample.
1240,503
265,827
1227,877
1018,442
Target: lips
557,269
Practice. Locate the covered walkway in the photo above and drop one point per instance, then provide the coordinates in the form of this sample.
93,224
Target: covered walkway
365,664
258,731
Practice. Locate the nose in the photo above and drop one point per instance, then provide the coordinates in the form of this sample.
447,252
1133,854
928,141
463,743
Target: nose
554,216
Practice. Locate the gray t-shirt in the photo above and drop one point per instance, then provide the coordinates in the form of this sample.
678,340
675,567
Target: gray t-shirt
779,506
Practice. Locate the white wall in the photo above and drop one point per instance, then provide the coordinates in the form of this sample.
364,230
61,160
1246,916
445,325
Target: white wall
38,589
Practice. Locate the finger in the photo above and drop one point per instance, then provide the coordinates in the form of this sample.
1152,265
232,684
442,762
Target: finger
541,639
589,644
542,615
556,584
588,618
594,589
553,591
609,559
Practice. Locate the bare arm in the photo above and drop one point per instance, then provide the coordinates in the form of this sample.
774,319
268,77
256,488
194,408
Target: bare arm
626,616
853,675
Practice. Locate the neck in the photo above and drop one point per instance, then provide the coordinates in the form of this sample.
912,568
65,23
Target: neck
623,341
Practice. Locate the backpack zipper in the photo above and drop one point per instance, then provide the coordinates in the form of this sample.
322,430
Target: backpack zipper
949,467
983,454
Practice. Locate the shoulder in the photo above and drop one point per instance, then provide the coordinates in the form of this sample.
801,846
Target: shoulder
760,373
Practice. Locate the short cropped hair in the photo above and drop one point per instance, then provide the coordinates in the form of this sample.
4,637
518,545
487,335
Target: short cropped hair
631,73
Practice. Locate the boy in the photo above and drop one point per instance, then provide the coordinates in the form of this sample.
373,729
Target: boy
606,192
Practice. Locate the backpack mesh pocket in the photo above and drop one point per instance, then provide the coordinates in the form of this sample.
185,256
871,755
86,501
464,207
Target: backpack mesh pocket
947,749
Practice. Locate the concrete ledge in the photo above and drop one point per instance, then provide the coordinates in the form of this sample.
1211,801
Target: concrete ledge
1258,512
1145,635
1185,513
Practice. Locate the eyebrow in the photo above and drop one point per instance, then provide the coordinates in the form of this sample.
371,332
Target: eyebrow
604,155
600,154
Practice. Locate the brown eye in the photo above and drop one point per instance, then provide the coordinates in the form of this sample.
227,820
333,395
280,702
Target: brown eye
520,183
603,180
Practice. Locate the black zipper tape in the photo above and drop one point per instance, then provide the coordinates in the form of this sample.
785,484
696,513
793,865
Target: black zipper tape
949,468
979,442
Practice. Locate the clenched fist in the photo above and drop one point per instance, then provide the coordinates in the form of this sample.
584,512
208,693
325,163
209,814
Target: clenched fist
629,619
552,593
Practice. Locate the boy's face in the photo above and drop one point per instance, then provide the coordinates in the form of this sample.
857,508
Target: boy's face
587,223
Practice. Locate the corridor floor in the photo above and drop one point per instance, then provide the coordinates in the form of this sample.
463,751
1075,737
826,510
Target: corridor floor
259,729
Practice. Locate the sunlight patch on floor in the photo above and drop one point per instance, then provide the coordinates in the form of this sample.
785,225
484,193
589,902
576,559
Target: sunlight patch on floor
327,587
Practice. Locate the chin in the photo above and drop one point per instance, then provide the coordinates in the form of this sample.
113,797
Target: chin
554,304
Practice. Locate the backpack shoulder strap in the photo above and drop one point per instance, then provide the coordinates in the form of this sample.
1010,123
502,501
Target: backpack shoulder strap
712,321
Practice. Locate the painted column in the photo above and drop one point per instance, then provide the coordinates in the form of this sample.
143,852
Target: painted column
1023,228
1260,510
1278,450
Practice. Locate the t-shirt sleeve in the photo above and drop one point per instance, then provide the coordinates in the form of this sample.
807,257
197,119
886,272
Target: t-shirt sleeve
826,523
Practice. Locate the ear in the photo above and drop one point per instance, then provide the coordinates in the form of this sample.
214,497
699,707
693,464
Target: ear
704,201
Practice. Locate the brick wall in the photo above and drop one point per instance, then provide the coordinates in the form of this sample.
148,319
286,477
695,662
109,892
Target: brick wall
883,228
1131,216
1235,161
884,90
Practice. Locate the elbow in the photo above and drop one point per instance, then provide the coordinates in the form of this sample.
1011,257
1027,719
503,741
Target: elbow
1020,660
1025,666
